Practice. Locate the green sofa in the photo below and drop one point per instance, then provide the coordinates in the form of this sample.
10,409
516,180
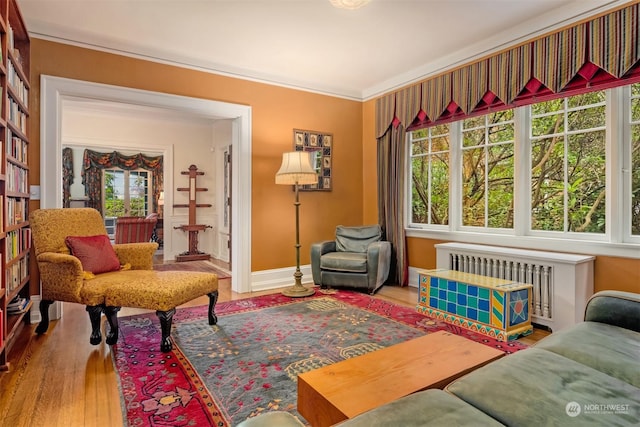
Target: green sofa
587,375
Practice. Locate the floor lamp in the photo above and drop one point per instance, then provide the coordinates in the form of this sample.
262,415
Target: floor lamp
296,170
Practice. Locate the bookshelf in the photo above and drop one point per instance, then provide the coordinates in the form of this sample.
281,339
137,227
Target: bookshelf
15,234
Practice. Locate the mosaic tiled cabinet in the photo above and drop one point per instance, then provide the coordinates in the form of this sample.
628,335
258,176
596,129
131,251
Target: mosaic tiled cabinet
494,307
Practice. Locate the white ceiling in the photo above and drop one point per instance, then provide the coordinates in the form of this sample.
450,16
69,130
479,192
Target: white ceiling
307,44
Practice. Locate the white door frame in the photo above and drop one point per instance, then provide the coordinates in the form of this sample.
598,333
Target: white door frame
54,89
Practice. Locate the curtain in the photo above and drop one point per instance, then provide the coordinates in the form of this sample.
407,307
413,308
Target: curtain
391,178
67,176
93,162
597,54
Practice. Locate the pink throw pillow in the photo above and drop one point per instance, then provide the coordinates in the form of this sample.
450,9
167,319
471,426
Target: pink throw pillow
94,252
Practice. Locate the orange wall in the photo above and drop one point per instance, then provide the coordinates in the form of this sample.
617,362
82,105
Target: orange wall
369,164
276,111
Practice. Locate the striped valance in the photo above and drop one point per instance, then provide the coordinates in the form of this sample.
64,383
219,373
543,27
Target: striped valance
601,52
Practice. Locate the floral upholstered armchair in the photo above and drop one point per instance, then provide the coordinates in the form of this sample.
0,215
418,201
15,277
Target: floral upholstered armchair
63,276
78,263
357,258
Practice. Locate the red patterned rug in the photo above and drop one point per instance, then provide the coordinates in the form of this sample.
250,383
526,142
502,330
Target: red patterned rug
248,363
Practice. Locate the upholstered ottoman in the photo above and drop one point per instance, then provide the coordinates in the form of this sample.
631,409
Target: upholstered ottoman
162,291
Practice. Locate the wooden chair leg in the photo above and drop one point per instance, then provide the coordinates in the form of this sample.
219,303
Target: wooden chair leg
166,318
95,312
112,318
43,326
213,299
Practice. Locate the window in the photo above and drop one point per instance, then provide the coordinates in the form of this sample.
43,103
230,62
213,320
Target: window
126,193
487,170
568,164
552,173
430,175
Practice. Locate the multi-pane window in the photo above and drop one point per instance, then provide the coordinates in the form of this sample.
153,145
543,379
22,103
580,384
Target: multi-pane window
565,168
568,164
487,170
126,193
430,175
634,148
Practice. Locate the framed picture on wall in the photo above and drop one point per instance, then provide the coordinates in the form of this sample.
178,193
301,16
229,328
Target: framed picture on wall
320,147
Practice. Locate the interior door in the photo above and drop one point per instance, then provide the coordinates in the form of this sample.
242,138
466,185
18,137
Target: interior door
227,197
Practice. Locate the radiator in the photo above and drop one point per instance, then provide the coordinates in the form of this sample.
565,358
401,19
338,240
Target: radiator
562,283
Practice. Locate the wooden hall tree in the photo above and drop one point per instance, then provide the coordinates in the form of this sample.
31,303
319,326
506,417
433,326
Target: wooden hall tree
192,228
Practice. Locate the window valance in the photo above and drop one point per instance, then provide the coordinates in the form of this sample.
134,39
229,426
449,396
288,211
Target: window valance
599,53
93,162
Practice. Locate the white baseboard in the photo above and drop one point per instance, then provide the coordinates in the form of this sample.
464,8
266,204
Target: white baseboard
278,278
55,310
281,277
413,276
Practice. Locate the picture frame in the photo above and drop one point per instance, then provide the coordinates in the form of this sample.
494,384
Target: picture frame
320,145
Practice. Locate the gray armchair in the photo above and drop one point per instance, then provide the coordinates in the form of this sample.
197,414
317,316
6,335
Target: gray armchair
357,258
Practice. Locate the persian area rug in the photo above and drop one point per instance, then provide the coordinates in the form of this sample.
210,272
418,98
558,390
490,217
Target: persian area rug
206,266
248,363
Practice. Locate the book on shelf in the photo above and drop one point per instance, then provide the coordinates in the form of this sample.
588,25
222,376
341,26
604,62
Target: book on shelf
17,305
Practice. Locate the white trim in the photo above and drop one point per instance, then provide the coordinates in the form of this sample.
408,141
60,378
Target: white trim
559,244
55,89
279,277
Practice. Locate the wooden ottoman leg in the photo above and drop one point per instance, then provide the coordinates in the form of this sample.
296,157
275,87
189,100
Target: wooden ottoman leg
112,318
43,326
165,324
95,311
213,299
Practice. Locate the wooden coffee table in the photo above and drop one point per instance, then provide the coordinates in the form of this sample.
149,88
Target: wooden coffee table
345,389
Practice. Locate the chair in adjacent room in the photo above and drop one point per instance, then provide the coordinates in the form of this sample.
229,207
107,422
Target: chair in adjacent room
135,229
357,258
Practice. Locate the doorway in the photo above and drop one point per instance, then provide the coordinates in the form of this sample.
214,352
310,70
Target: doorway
56,89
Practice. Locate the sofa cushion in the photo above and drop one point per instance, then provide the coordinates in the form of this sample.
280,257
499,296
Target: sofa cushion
536,387
94,252
272,419
425,408
356,239
606,348
352,262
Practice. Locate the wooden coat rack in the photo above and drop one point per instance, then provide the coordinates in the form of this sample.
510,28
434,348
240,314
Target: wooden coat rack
193,253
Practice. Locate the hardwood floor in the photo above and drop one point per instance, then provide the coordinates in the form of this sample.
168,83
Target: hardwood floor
59,379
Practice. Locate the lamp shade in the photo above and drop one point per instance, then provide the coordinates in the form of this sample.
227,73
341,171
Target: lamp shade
296,169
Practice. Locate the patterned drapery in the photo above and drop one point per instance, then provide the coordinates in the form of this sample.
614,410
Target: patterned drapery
93,162
391,176
67,176
602,52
